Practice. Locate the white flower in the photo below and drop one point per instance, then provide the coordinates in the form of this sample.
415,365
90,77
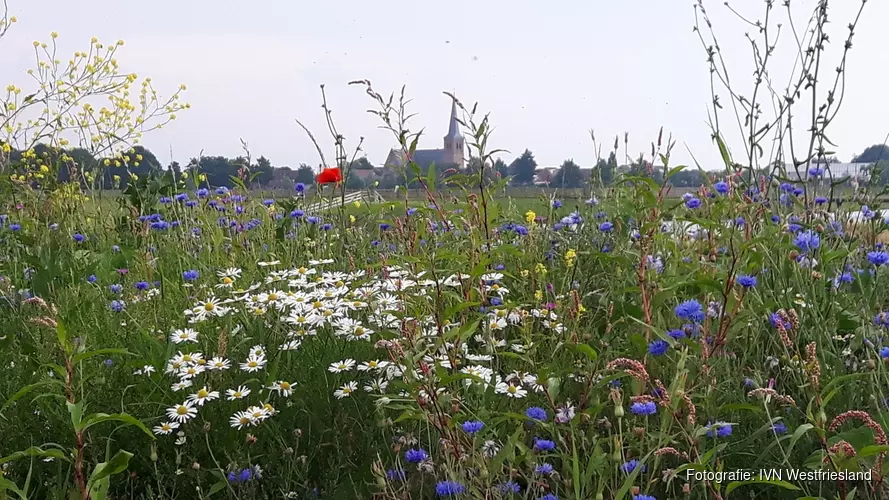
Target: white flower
203,395
182,412
190,372
219,363
257,414
266,264
233,394
374,364
184,335
165,428
253,364
490,448
145,370
341,366
231,272
291,345
346,390
182,384
513,391
283,388
240,420
376,385
497,323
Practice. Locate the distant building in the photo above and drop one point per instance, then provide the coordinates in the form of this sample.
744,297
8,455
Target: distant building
451,156
855,171
544,175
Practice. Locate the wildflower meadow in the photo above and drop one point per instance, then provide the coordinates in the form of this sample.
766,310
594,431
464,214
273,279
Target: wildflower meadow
177,339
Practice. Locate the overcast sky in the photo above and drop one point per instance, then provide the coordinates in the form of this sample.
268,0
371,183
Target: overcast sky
548,72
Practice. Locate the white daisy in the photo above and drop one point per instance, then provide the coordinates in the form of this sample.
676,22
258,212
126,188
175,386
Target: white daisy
203,395
511,390
374,364
291,345
346,390
253,364
166,428
182,384
184,335
283,388
240,420
219,363
182,412
341,366
233,394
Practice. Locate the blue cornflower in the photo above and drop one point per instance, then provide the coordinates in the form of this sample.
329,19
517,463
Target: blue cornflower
245,475
79,238
510,487
676,333
779,428
182,197
544,445
557,203
647,408
643,497
415,456
820,200
719,429
384,226
165,200
536,413
775,219
549,496
721,187
15,226
544,469
816,171
202,193
232,477
807,241
658,347
141,285
115,288
691,310
190,275
411,211
395,474
472,426
52,227
628,467
884,352
749,383
606,227
296,214
747,281
117,305
878,258
92,278
326,226
693,203
299,187
449,488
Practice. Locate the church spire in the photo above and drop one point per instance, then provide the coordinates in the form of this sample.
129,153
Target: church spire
454,126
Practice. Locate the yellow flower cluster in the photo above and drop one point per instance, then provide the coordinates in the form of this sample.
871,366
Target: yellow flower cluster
530,216
570,257
540,269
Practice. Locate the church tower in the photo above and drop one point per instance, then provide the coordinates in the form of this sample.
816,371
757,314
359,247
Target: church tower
453,142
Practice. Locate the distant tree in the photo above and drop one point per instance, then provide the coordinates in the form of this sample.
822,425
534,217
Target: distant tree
362,164
523,168
568,176
873,154
687,178
305,174
501,168
355,182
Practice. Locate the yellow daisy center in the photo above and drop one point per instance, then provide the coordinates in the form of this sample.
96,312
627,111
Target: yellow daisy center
182,410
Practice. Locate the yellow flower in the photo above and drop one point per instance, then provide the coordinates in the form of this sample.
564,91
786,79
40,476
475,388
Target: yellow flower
202,177
540,269
530,216
116,178
351,219
13,19
7,148
107,162
538,295
570,255
54,34
525,273
581,309
357,204
44,168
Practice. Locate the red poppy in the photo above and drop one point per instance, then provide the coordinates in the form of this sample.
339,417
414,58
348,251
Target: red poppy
329,176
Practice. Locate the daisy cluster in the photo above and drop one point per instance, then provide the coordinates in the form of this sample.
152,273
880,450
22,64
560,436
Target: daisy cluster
352,307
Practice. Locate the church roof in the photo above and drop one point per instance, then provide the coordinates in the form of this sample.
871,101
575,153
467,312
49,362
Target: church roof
453,126
423,157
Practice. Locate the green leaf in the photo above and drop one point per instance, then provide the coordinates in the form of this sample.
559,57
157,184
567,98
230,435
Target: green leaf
28,388
62,336
586,350
797,434
116,465
216,488
675,170
732,486
6,484
100,352
872,450
34,451
76,411
98,418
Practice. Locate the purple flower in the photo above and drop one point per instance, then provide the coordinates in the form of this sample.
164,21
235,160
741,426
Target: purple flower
79,238
449,488
394,474
693,203
647,408
190,275
557,203
721,187
141,285
536,413
544,469
472,426
117,305
719,429
747,281
606,227
690,310
628,467
416,456
658,347
544,445
878,258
